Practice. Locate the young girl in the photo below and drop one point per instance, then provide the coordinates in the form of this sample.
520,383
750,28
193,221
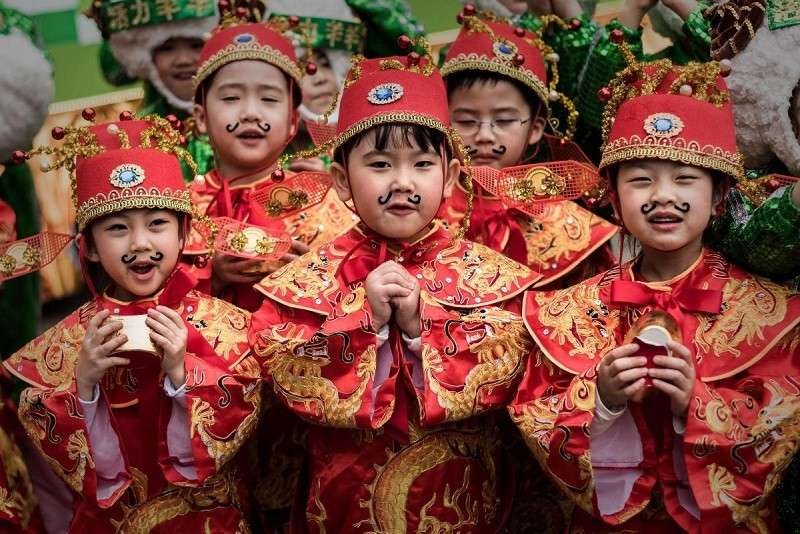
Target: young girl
692,430
394,339
139,399
247,90
500,98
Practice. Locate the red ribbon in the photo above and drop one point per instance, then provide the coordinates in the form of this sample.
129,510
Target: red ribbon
628,292
492,224
687,299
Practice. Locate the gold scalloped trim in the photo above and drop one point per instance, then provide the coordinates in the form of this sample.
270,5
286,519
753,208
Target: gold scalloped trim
474,61
390,116
675,149
238,52
102,204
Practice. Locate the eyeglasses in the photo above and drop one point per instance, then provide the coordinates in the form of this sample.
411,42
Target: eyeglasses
469,127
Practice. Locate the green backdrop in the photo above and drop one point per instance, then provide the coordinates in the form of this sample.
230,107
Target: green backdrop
78,75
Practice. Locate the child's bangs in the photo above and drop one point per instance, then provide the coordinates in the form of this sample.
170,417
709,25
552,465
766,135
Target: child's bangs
397,136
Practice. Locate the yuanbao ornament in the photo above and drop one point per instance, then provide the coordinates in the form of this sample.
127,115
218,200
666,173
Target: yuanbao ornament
664,111
489,43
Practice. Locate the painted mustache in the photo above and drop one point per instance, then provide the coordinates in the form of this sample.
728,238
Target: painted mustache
265,127
471,151
127,259
415,199
683,207
500,150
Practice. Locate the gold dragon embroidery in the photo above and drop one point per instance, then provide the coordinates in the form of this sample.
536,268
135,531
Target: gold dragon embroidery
299,377
483,272
561,231
578,318
389,490
751,305
500,349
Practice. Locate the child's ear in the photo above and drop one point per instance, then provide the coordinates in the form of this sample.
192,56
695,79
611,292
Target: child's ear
294,124
340,181
453,172
538,125
91,251
199,113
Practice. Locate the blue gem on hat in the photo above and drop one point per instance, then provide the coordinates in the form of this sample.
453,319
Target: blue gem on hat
504,49
244,38
127,175
663,125
385,93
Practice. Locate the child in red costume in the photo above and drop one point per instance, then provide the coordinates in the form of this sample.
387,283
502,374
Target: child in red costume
247,92
528,182
138,400
688,425
398,338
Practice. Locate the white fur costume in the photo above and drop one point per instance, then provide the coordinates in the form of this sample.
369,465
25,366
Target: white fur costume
133,48
26,90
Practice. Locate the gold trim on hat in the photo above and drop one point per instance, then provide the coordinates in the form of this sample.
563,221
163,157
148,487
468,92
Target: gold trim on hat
241,52
104,204
474,61
674,149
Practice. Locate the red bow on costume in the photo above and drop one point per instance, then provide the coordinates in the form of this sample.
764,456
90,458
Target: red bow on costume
494,228
244,210
628,292
372,250
365,256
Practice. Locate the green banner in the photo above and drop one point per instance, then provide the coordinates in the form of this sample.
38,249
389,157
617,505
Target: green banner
332,33
783,13
120,15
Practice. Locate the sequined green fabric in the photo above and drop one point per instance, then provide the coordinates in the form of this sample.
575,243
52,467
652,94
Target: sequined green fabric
605,60
765,240
386,20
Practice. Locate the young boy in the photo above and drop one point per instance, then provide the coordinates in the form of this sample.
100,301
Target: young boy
139,399
158,43
247,90
393,338
666,394
499,102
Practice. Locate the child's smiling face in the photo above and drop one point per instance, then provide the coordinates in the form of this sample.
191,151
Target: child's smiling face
396,184
176,63
137,248
248,113
664,204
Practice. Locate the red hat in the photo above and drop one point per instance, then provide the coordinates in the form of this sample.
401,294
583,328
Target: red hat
406,89
663,111
487,43
122,165
235,39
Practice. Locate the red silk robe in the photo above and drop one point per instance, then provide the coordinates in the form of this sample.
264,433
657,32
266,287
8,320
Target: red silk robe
402,443
315,225
743,423
565,240
222,397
